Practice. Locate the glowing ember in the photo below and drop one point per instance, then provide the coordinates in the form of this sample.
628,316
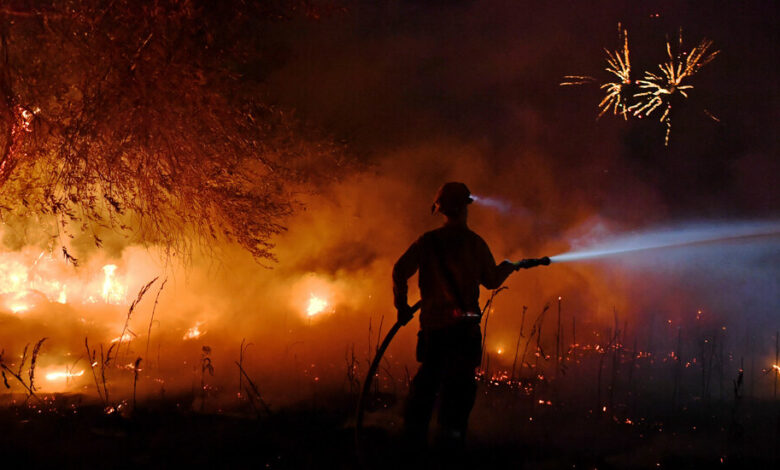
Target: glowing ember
19,308
194,332
125,337
500,351
53,376
776,368
317,305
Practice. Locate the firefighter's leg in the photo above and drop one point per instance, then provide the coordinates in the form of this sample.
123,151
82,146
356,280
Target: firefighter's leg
419,404
459,385
458,392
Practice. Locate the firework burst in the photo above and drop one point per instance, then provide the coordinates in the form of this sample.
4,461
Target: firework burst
618,95
658,89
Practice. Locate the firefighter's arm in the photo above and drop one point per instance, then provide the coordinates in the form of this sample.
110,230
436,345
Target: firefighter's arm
405,268
493,275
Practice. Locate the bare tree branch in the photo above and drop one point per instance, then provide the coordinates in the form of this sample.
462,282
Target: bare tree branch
151,119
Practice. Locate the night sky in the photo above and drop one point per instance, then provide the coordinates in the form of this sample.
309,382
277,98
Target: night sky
392,76
469,91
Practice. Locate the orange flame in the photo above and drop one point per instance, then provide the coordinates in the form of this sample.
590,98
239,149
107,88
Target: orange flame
194,332
316,306
54,376
113,291
26,281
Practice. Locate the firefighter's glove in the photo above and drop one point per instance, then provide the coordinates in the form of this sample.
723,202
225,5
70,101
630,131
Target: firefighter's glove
405,314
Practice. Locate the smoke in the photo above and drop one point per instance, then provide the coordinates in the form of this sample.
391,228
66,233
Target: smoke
426,94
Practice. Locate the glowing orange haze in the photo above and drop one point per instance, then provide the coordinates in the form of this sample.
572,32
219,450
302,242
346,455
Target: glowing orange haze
299,322
329,292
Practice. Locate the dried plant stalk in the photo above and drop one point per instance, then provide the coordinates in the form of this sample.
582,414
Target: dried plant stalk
151,319
34,361
91,357
136,365
138,298
486,313
254,389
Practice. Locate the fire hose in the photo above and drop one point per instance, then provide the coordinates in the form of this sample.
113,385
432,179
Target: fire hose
380,352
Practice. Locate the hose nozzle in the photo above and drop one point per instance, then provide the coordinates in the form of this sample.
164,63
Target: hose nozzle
532,263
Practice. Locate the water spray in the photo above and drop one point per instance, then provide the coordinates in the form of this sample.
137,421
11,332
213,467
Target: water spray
665,238
701,233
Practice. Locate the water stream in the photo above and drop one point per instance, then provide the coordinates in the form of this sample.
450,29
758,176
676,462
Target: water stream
709,233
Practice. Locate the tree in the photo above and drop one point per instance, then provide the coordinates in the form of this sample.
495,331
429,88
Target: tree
150,117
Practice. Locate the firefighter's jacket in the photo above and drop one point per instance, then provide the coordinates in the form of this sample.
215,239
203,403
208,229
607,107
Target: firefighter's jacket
453,262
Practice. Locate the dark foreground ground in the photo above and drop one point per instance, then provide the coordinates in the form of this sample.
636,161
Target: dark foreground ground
320,436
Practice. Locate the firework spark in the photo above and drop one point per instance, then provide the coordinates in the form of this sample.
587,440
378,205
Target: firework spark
619,65
617,93
577,80
657,90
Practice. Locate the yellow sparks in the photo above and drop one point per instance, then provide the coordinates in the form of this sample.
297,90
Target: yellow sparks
640,98
577,80
619,65
656,89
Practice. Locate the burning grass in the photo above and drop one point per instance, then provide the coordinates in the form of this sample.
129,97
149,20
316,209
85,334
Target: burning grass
642,383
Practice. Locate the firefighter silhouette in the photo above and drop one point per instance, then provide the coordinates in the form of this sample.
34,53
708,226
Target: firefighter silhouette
453,262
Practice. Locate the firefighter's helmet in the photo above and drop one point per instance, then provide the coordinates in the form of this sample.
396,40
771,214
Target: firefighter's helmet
451,198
